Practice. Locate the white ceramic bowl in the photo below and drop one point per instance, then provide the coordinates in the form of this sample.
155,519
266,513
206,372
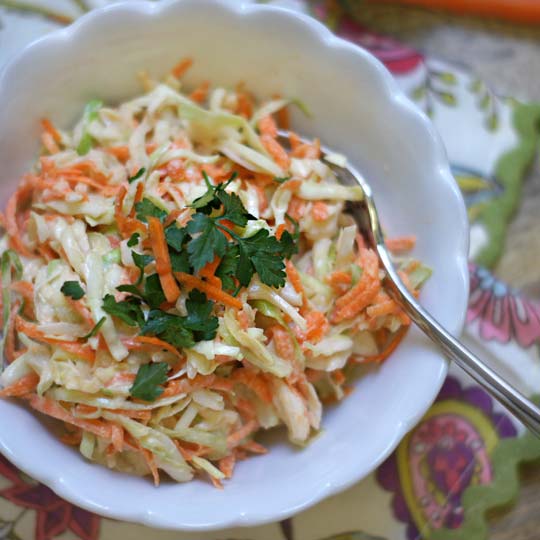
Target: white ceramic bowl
357,109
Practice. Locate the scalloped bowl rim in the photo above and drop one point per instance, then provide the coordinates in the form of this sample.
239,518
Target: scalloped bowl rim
325,39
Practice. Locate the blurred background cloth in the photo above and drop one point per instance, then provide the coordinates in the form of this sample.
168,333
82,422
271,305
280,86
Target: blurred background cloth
479,81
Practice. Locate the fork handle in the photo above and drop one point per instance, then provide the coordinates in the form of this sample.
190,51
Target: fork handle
519,405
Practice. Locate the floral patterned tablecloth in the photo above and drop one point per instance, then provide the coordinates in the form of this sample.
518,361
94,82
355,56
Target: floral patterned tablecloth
462,459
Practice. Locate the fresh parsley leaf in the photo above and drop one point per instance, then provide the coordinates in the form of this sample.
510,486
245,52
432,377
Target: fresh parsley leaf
133,239
147,384
128,310
233,208
180,261
245,269
153,292
96,328
208,243
207,202
227,269
288,246
168,327
147,208
137,175
132,289
175,237
199,319
270,268
141,262
72,289
282,179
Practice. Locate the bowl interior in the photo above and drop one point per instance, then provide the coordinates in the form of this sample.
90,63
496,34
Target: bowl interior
356,110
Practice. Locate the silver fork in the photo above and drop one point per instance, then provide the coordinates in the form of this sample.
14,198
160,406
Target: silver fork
367,218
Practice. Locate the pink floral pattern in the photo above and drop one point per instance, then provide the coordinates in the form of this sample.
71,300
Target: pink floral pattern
502,313
54,516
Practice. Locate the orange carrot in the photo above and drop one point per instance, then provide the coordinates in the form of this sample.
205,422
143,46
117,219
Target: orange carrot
208,272
81,350
319,211
154,341
48,127
339,279
390,348
200,93
308,151
121,153
280,230
163,260
117,437
276,151
25,385
150,462
24,288
297,207
338,376
283,342
255,381
236,438
215,293
226,465
73,439
317,326
267,126
294,277
52,408
180,69
282,115
49,143
137,199
244,106
362,294
254,447
400,243
82,310
10,333
12,228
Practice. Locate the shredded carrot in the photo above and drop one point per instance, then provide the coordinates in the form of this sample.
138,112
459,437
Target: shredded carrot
362,294
73,439
163,260
52,408
339,280
276,151
244,106
150,462
226,465
24,288
319,211
49,143
400,243
317,326
338,376
127,226
282,115
131,343
208,272
296,281
294,140
12,228
180,69
390,348
280,230
255,381
117,437
297,207
25,385
200,93
9,343
137,199
237,437
215,293
254,447
308,151
243,319
283,342
81,350
47,126
121,153
267,126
